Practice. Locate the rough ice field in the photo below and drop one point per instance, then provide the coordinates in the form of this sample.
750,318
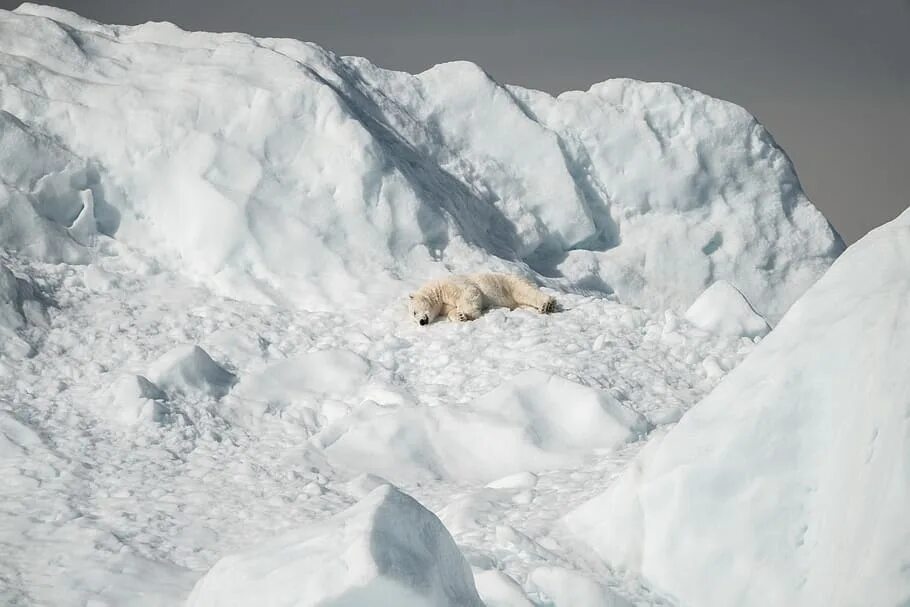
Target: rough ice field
789,484
206,369
121,490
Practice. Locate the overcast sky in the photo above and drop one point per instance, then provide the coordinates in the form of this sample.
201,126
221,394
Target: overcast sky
830,79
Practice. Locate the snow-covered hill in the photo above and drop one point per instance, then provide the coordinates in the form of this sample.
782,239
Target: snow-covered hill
277,171
790,483
208,381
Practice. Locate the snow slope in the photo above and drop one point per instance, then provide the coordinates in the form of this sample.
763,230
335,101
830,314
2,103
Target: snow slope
789,484
275,171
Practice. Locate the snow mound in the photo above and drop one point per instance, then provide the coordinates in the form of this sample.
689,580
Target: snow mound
133,398
385,550
723,309
789,483
276,171
189,370
536,421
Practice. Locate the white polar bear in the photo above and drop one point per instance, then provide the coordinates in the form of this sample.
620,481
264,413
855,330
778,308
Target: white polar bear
461,298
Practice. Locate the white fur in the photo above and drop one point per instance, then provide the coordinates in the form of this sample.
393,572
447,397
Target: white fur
466,297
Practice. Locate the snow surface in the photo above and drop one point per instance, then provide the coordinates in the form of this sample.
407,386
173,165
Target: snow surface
723,309
275,171
385,550
789,484
205,242
533,422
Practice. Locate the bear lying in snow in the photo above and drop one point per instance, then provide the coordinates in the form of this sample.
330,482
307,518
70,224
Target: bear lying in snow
461,298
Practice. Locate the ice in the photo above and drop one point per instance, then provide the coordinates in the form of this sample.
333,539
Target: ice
496,589
17,307
189,369
723,309
788,485
385,550
275,171
566,588
133,399
16,439
206,242
535,421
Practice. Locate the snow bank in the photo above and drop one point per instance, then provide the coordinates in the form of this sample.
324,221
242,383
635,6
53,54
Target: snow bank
277,171
789,484
723,309
535,421
133,399
189,369
385,550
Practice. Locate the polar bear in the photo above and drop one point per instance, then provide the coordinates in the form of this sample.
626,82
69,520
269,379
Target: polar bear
462,298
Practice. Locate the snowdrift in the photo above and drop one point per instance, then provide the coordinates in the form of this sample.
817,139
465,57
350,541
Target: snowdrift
536,421
276,171
789,484
385,550
723,309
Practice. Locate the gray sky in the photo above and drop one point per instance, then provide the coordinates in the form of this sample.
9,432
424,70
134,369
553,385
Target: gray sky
830,79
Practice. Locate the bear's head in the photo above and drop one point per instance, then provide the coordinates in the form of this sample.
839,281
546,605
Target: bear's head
421,309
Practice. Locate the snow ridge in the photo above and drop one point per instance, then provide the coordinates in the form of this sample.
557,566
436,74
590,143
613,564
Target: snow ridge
277,171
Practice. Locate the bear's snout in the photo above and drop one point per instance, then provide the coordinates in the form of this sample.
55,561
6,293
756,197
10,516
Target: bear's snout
424,320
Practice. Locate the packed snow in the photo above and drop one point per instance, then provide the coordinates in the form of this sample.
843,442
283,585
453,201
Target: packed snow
385,550
209,386
789,484
723,309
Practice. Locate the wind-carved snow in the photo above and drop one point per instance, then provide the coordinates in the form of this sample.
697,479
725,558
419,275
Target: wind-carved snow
386,550
276,171
205,241
788,485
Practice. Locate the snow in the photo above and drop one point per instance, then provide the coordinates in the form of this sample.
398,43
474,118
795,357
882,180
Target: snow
788,485
565,588
535,421
385,550
207,375
189,369
274,171
723,309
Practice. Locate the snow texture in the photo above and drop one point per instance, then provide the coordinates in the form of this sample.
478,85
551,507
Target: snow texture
723,309
205,245
276,171
789,484
386,550
535,421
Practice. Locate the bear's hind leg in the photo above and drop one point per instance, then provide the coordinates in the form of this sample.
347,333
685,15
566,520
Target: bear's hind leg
527,295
